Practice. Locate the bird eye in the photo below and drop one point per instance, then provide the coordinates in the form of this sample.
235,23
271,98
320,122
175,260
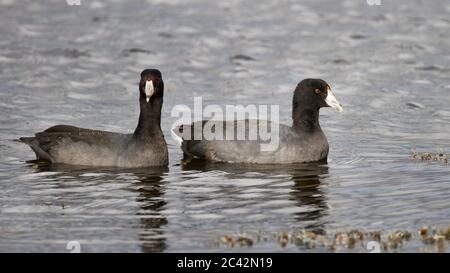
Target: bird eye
317,91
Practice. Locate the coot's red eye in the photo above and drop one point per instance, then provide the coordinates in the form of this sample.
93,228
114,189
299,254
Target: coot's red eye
317,91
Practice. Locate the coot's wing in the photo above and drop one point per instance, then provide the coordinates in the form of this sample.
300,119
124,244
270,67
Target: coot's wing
44,141
232,147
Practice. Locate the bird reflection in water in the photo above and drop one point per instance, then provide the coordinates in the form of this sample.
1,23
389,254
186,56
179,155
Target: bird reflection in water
306,189
146,182
307,192
152,202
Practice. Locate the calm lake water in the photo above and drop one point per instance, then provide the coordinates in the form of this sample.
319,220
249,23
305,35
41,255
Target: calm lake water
389,66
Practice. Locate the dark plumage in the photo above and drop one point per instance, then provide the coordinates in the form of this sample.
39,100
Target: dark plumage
304,141
78,146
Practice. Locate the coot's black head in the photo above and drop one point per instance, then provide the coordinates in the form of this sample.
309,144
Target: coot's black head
314,94
151,85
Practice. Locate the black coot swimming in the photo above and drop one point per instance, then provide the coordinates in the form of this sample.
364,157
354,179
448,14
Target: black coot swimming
304,141
77,146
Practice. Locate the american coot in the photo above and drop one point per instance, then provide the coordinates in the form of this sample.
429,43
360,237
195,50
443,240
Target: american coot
304,141
78,146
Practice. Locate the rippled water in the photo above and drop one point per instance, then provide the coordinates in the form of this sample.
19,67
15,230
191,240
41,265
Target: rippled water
389,66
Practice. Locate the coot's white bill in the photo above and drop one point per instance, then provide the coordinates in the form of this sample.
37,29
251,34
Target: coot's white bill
332,101
149,90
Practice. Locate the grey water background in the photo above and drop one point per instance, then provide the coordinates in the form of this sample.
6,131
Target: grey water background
389,66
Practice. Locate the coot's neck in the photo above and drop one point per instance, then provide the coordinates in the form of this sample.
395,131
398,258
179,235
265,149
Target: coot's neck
305,119
149,118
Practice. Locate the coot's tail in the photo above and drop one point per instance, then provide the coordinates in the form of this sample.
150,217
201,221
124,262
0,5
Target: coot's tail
35,146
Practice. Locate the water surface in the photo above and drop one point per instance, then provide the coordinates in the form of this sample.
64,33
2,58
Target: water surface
389,66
